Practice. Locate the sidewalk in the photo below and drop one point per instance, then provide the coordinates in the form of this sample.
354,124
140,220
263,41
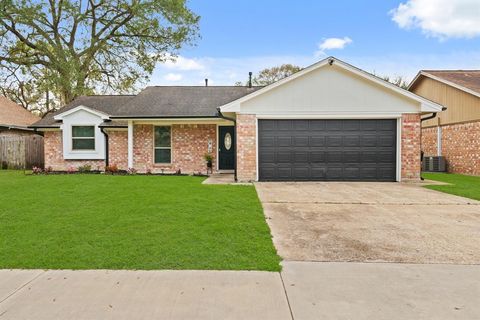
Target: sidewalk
313,290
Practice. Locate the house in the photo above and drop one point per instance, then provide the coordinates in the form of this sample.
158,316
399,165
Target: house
330,121
14,119
455,132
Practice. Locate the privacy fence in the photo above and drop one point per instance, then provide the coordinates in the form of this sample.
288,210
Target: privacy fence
21,152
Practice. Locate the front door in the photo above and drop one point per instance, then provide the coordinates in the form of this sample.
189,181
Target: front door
226,148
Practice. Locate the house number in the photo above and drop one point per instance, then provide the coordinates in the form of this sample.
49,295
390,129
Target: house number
228,141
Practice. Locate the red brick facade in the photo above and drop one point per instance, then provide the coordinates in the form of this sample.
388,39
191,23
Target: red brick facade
411,141
118,148
246,147
53,147
460,146
189,145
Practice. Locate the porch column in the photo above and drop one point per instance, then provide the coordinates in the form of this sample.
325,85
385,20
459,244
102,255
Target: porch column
130,144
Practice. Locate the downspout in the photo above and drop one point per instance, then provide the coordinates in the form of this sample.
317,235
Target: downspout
220,114
432,116
106,146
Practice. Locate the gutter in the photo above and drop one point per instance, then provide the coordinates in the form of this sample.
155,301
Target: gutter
106,146
220,114
432,116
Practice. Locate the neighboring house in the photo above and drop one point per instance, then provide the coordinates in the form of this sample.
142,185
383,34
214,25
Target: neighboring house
14,119
330,121
455,132
20,146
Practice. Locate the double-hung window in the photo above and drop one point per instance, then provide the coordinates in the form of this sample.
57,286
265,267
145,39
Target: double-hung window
83,137
163,144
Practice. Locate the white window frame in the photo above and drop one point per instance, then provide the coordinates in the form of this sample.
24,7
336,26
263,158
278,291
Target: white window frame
164,148
89,138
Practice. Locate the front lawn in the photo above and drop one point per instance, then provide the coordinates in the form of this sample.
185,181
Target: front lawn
130,222
460,185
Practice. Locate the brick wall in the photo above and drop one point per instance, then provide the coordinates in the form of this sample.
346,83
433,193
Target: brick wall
53,147
118,148
246,147
411,143
189,145
460,146
429,141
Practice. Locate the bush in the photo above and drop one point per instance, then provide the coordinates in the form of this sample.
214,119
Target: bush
85,168
131,171
111,169
71,169
37,170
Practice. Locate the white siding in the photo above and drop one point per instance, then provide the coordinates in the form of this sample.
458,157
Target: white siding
82,118
330,90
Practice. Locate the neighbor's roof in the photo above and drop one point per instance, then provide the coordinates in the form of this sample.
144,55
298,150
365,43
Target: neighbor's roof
103,103
465,80
14,115
180,101
157,102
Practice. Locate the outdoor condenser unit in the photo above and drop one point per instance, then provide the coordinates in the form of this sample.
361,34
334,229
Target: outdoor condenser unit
434,164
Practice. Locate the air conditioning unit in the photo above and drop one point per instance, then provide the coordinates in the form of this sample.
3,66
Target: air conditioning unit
434,164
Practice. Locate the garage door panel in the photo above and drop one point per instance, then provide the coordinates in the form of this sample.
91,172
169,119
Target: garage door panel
353,150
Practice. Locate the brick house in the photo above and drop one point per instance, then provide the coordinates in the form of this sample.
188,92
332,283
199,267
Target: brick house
455,132
14,119
330,121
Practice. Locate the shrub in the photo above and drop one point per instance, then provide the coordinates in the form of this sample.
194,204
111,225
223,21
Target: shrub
111,169
48,170
37,170
71,169
85,168
131,171
148,171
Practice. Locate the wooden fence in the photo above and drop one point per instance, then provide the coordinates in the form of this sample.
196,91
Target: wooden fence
21,152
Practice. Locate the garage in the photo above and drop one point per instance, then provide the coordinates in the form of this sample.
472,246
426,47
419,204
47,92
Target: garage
327,149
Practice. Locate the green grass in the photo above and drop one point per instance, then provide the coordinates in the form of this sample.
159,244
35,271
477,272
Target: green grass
460,185
131,222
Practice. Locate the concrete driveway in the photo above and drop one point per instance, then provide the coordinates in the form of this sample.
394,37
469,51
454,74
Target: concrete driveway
371,222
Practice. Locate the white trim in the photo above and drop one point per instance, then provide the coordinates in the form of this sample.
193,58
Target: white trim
217,151
439,140
130,144
426,105
398,172
164,148
332,116
257,169
449,83
399,149
102,115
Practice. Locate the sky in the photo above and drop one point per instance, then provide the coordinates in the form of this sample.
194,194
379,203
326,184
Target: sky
387,37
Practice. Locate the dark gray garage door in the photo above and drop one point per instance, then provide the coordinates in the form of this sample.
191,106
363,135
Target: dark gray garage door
330,150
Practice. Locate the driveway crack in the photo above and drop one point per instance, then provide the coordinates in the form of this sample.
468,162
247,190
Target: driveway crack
286,296
22,286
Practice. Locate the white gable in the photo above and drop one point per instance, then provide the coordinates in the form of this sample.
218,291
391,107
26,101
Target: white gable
331,87
82,117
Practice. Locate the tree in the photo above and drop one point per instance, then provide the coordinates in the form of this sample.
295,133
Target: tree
399,81
271,75
76,47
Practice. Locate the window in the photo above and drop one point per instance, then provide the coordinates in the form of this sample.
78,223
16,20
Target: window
83,137
163,146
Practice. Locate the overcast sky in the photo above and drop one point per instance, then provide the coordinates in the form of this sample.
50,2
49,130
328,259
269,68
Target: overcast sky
383,36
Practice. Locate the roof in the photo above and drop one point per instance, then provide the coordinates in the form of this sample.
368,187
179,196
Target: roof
103,103
426,105
14,115
155,102
465,80
181,101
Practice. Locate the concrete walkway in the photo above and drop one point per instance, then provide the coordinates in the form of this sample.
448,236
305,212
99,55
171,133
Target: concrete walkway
304,290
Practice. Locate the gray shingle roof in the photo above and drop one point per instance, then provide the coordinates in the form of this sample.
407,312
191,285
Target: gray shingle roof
107,104
158,102
177,101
